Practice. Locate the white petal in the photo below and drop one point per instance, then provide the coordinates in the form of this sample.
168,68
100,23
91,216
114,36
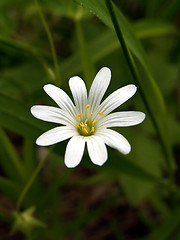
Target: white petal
55,135
79,92
99,87
115,140
74,151
97,150
52,114
117,98
122,119
61,98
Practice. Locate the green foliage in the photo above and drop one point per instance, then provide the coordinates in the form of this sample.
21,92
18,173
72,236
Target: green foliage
51,41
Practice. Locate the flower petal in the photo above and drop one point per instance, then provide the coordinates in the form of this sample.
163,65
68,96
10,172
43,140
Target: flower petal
115,140
99,87
117,98
55,135
97,150
74,151
61,98
79,92
52,114
122,119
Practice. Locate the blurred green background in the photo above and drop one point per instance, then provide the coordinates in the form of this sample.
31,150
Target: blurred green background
129,197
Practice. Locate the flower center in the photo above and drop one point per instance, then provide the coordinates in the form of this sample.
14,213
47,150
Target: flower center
87,126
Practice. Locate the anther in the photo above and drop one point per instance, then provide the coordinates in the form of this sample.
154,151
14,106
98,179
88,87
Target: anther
79,115
87,106
94,122
101,114
91,113
85,130
77,124
92,129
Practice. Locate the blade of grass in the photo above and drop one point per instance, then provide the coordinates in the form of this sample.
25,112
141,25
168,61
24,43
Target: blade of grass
137,80
147,83
49,35
152,28
11,155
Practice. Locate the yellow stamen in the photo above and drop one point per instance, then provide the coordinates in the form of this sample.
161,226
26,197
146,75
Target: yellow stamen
94,122
81,125
79,115
77,124
87,106
101,114
85,130
92,129
91,113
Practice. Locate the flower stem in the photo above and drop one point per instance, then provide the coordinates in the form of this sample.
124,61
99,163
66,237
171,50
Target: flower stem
136,76
49,35
31,180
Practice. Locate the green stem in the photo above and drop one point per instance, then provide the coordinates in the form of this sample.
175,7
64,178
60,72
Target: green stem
135,74
31,180
49,35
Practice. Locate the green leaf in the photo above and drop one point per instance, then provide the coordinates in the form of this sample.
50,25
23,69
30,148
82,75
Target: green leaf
166,73
98,8
105,43
119,164
10,159
149,160
152,28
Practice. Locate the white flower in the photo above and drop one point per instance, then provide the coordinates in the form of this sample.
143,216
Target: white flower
88,120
